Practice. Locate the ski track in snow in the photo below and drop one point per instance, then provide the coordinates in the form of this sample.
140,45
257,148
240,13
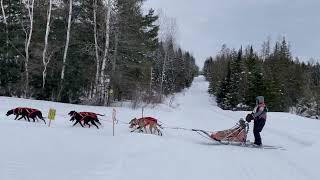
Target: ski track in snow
32,151
290,137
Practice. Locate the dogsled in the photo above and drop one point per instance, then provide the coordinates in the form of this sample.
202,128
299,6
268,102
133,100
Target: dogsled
236,134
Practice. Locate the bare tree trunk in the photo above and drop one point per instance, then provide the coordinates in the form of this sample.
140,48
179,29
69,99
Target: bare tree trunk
3,12
163,73
102,85
65,51
113,68
6,28
151,76
150,94
168,33
114,60
27,44
96,47
44,54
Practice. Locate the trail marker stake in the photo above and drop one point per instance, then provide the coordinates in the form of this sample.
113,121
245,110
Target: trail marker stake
51,115
114,119
142,112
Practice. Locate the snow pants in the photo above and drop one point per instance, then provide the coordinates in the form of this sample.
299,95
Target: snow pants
257,128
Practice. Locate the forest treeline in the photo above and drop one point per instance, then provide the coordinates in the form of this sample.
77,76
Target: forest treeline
237,76
88,51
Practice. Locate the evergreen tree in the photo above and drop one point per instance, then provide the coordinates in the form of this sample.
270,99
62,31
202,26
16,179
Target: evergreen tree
255,79
237,78
134,58
224,95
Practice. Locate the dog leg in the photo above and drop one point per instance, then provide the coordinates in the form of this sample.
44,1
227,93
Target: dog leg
150,127
94,124
159,132
97,120
77,123
137,129
85,123
145,129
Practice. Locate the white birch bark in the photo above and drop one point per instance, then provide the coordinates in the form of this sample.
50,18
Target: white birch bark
65,50
163,74
46,60
103,92
3,12
27,43
6,27
96,46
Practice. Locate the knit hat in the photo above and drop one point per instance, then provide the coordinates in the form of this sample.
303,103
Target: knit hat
259,99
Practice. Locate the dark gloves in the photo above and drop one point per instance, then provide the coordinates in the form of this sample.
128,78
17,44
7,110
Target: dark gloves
249,117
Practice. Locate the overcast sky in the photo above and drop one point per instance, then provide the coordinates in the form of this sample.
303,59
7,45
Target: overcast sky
204,25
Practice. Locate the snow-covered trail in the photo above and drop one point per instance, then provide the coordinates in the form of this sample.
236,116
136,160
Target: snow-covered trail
34,151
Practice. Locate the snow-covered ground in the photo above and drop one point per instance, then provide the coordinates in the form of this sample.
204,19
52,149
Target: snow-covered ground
32,151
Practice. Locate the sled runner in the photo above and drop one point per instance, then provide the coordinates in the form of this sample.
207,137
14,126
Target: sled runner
236,134
247,145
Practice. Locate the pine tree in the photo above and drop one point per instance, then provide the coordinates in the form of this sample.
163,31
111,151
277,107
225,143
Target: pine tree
255,79
179,72
12,55
224,95
236,79
136,43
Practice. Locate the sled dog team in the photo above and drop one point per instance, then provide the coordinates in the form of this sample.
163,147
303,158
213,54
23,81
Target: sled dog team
86,119
258,115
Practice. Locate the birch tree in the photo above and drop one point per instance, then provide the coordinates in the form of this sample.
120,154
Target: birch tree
45,59
6,27
65,50
102,85
30,6
95,8
3,12
167,34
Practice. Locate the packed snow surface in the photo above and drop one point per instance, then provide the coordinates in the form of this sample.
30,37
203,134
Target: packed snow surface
33,151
